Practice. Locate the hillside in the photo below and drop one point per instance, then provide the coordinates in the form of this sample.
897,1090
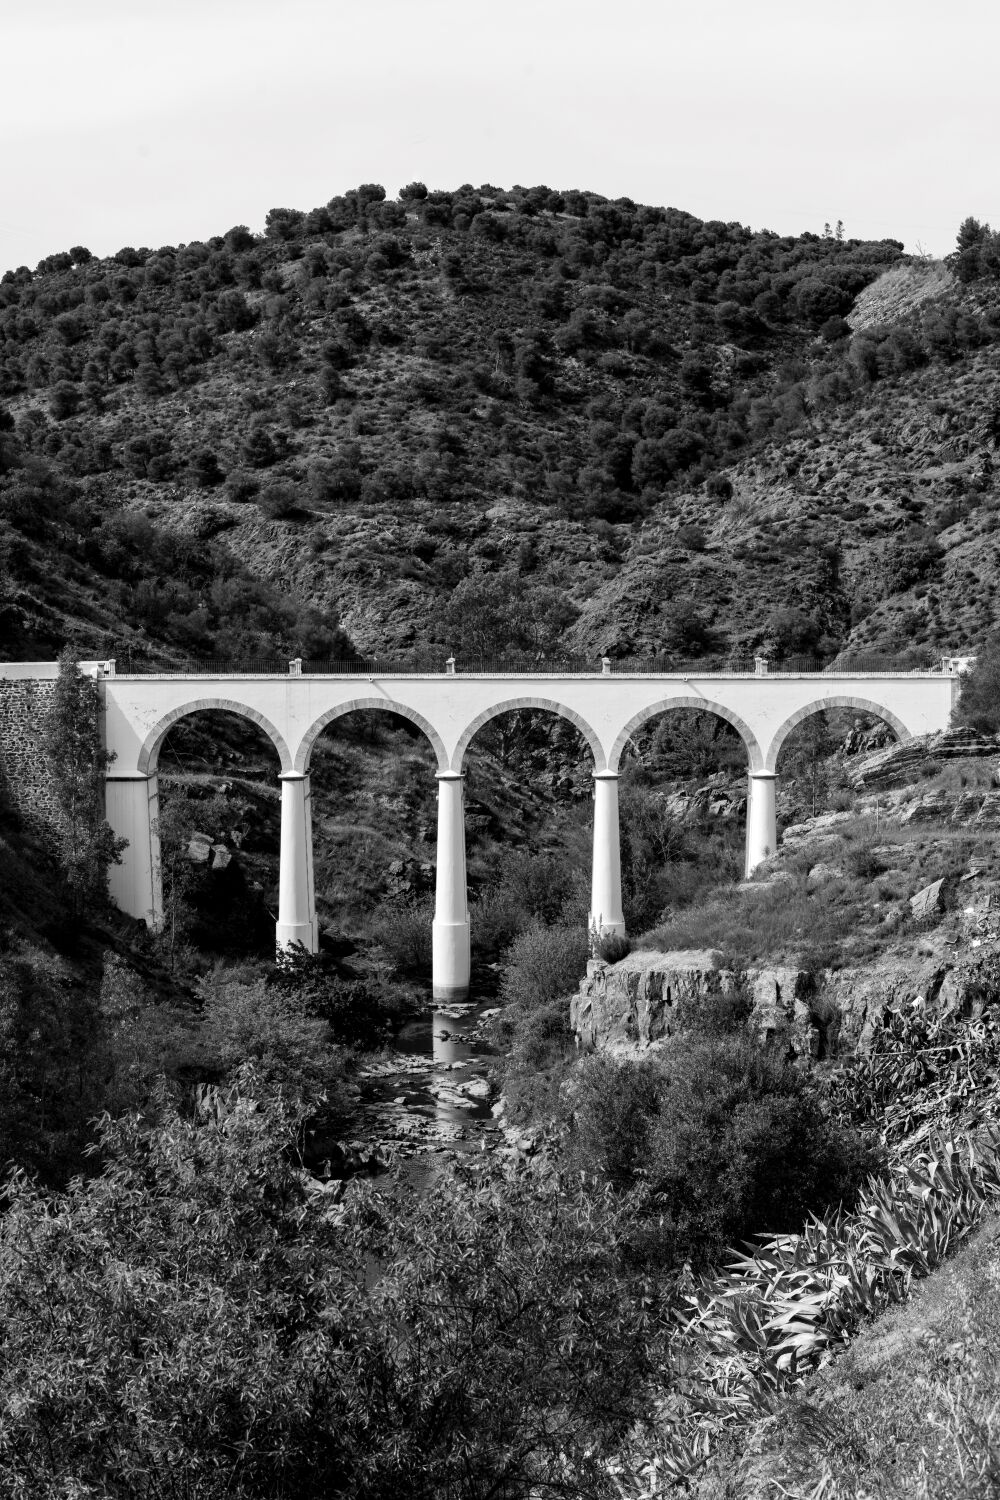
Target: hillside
231,448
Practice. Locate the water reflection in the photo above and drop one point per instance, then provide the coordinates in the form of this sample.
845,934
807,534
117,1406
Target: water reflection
430,1096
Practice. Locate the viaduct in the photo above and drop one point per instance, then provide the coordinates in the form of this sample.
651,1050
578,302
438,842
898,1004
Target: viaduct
293,709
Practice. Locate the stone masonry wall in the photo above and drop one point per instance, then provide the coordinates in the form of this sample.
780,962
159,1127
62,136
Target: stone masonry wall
26,786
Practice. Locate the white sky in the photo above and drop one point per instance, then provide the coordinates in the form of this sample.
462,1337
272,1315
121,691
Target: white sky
150,122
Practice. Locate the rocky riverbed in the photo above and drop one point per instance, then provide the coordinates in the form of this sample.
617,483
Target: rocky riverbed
428,1099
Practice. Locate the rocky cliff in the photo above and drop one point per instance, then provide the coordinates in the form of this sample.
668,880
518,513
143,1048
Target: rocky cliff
637,1004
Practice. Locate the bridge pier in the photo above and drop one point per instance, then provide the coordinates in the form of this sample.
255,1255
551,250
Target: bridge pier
762,824
296,896
451,961
131,806
606,875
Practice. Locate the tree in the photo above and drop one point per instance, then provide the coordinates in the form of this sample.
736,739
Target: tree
971,232
71,739
64,400
979,703
818,300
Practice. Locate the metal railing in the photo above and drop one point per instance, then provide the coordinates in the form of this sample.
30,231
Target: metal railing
433,662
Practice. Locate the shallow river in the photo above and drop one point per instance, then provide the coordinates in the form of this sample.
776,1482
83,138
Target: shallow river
429,1097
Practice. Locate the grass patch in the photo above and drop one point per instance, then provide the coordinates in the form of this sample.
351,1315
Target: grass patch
781,918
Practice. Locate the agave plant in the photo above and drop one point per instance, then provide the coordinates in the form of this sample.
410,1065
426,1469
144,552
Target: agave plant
748,1334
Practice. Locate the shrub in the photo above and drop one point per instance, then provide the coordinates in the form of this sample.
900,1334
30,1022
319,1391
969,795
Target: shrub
272,1028
279,500
544,964
405,934
611,947
742,1145
241,486
731,1139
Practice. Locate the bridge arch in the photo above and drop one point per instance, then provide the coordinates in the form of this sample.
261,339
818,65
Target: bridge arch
842,700
755,755
546,705
150,752
380,705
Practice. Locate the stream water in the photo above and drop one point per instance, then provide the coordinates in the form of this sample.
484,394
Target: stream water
428,1098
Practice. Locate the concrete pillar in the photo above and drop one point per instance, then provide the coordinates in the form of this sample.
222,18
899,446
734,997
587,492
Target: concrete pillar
762,826
450,932
296,897
606,878
131,806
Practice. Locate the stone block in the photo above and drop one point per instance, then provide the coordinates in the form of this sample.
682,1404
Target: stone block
929,901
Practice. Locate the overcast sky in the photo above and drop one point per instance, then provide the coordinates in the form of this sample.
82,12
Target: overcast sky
151,122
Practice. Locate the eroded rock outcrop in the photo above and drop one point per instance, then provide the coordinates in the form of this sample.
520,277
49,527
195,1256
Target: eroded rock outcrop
641,1001
634,1006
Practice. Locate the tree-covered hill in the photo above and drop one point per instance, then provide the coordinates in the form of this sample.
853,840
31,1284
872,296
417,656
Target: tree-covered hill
666,425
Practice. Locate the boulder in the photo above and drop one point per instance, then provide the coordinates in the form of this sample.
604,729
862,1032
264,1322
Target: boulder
199,848
928,902
221,857
892,766
822,874
899,763
815,828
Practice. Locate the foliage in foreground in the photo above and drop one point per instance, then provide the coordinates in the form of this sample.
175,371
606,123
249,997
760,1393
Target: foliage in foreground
906,1412
199,1320
749,1335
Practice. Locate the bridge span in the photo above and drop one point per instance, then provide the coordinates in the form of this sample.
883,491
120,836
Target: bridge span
292,708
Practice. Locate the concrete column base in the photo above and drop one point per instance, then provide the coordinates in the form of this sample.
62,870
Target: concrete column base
131,806
762,823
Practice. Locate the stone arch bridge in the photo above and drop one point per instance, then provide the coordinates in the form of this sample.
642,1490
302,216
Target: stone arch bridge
292,709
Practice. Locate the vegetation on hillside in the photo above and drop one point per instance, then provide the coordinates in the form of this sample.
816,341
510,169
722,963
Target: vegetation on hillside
383,412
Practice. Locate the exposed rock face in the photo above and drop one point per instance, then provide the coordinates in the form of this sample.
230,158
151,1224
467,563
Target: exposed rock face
928,809
636,1005
644,999
897,764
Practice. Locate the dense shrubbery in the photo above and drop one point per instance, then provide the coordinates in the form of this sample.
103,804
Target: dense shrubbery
729,1138
220,1328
